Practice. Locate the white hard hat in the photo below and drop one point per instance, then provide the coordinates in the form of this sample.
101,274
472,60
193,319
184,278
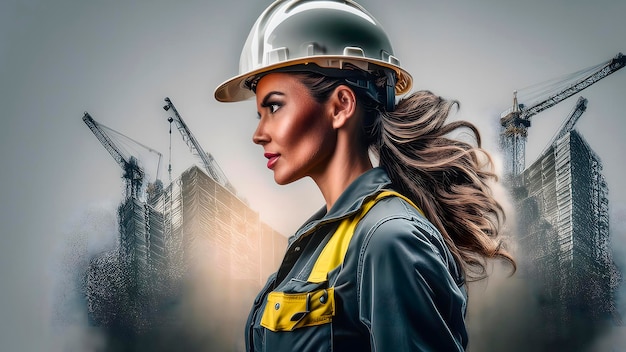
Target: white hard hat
327,33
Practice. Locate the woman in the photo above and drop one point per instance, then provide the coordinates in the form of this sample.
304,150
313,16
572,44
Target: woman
383,265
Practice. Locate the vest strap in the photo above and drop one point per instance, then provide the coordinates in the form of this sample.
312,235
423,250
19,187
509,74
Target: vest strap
335,250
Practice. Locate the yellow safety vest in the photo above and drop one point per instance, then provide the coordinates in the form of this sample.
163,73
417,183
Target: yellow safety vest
288,311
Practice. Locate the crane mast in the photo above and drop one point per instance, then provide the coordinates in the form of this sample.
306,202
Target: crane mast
133,174
209,163
515,121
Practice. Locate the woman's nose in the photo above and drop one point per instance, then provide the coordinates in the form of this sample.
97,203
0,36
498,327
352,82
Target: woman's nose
259,136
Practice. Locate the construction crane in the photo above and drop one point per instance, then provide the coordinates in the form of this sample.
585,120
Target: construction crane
133,173
209,163
570,121
516,121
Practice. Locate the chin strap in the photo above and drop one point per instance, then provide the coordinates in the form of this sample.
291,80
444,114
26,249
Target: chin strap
385,96
390,85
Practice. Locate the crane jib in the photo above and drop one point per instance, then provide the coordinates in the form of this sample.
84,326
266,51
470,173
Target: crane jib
516,120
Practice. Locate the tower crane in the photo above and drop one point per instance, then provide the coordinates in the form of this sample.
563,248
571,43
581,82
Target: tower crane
570,121
209,163
515,121
133,173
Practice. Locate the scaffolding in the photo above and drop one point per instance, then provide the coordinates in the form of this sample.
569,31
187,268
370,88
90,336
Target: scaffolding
563,202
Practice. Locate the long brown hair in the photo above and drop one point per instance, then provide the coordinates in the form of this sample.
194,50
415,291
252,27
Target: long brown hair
449,179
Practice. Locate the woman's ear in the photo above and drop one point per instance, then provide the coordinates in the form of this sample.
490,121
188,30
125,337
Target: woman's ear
343,105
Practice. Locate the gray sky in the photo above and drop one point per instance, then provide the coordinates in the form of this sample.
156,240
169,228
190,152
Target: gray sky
119,59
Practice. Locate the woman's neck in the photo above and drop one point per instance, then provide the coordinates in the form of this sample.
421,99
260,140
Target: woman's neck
340,172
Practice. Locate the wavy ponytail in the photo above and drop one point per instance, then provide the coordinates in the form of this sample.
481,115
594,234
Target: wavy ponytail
448,178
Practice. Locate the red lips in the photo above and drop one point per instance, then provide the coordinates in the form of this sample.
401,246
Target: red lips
272,159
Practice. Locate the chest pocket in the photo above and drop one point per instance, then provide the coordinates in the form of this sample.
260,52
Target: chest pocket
289,311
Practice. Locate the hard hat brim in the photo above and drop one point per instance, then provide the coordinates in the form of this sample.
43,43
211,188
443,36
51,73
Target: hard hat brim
234,89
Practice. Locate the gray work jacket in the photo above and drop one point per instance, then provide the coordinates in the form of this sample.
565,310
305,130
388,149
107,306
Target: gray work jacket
398,289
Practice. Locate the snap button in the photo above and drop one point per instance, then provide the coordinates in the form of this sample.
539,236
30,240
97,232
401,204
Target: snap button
324,297
277,306
297,249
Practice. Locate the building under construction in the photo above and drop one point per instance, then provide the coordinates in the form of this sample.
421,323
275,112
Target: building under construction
563,210
191,258
190,261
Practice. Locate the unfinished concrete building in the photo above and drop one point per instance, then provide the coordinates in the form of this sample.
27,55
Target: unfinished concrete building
190,257
562,202
205,224
190,261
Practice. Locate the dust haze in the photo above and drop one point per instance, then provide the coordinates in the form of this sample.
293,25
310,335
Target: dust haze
185,321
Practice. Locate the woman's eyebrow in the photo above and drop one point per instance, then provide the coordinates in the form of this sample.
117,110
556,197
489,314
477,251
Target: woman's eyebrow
269,95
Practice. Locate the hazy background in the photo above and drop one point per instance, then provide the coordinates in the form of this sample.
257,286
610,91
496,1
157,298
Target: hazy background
119,59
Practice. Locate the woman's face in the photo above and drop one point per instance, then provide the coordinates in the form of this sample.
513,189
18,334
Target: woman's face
294,130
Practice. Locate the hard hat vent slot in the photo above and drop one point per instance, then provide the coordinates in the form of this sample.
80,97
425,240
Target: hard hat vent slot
315,49
277,55
385,56
353,51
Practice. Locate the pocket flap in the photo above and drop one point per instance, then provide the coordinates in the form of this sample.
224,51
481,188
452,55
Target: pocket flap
288,311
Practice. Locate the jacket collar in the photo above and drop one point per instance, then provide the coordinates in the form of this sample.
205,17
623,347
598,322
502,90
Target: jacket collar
368,184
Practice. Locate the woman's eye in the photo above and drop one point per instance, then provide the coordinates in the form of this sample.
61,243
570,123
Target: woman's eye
273,107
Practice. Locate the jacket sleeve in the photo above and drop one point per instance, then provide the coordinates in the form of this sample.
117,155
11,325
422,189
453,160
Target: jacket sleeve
407,296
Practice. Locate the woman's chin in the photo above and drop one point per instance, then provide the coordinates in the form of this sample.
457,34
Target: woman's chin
284,179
